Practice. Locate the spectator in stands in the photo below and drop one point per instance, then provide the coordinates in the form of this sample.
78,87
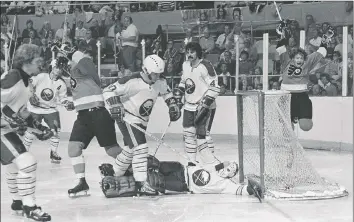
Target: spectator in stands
46,30
32,39
222,39
221,14
129,40
329,88
170,53
207,42
91,44
275,86
96,28
226,57
189,36
225,76
315,40
26,31
62,32
157,49
46,53
80,31
258,75
324,28
245,65
334,66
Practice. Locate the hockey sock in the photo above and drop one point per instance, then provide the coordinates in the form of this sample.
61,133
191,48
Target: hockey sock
11,179
205,154
26,178
54,143
123,160
140,154
28,139
78,165
190,143
210,142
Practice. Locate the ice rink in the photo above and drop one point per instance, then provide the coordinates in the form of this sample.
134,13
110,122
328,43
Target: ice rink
54,180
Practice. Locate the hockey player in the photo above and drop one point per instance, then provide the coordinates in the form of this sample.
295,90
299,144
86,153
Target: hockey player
49,90
93,118
199,85
132,98
173,176
21,165
295,68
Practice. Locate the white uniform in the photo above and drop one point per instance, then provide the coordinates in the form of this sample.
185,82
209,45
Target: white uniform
137,97
204,180
197,81
49,92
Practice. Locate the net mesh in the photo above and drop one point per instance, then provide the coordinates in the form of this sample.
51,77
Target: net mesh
287,172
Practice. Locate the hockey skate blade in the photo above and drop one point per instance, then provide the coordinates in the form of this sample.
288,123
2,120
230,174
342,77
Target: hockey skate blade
79,194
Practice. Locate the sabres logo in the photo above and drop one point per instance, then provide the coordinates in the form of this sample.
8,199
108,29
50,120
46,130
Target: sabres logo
146,108
47,94
201,177
190,86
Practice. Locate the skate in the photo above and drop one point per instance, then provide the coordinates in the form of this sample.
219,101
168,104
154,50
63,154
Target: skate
106,169
55,158
35,213
79,190
256,188
144,188
16,207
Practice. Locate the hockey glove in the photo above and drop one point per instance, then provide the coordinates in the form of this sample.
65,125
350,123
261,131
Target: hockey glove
69,105
153,162
44,134
174,110
203,110
15,121
178,94
116,108
34,101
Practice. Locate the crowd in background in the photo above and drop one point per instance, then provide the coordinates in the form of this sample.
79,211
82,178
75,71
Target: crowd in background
120,39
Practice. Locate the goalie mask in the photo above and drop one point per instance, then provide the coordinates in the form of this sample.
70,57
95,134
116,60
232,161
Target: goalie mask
229,170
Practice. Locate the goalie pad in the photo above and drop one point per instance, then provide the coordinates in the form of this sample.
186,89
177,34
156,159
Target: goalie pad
156,180
123,186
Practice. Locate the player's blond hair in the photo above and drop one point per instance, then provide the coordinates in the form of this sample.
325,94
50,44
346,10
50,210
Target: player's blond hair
25,54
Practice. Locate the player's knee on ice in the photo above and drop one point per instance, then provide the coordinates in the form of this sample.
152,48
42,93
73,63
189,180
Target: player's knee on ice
305,124
113,150
75,148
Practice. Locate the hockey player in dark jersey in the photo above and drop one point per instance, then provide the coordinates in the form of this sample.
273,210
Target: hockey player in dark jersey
133,98
296,66
21,165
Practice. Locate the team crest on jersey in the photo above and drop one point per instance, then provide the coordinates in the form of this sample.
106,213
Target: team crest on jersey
190,86
47,94
146,108
73,82
201,177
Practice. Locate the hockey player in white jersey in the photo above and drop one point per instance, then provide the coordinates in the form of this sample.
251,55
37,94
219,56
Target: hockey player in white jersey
173,176
199,86
21,166
131,100
48,90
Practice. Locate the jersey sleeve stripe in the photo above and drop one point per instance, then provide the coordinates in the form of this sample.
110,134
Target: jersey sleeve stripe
209,67
10,79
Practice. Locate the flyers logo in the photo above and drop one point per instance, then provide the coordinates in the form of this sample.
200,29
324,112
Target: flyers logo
293,70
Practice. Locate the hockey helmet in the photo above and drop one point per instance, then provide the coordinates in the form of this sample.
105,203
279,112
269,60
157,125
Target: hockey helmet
229,170
153,64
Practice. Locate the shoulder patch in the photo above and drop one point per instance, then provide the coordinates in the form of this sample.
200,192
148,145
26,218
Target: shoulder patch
10,79
125,79
209,67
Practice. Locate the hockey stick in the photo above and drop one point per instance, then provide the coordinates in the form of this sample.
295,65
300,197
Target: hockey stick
276,8
163,135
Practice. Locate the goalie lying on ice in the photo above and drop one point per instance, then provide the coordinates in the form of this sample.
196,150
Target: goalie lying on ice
173,176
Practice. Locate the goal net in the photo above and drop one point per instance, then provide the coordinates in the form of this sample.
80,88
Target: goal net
270,152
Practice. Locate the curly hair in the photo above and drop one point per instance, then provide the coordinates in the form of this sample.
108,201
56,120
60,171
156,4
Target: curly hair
25,54
298,51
